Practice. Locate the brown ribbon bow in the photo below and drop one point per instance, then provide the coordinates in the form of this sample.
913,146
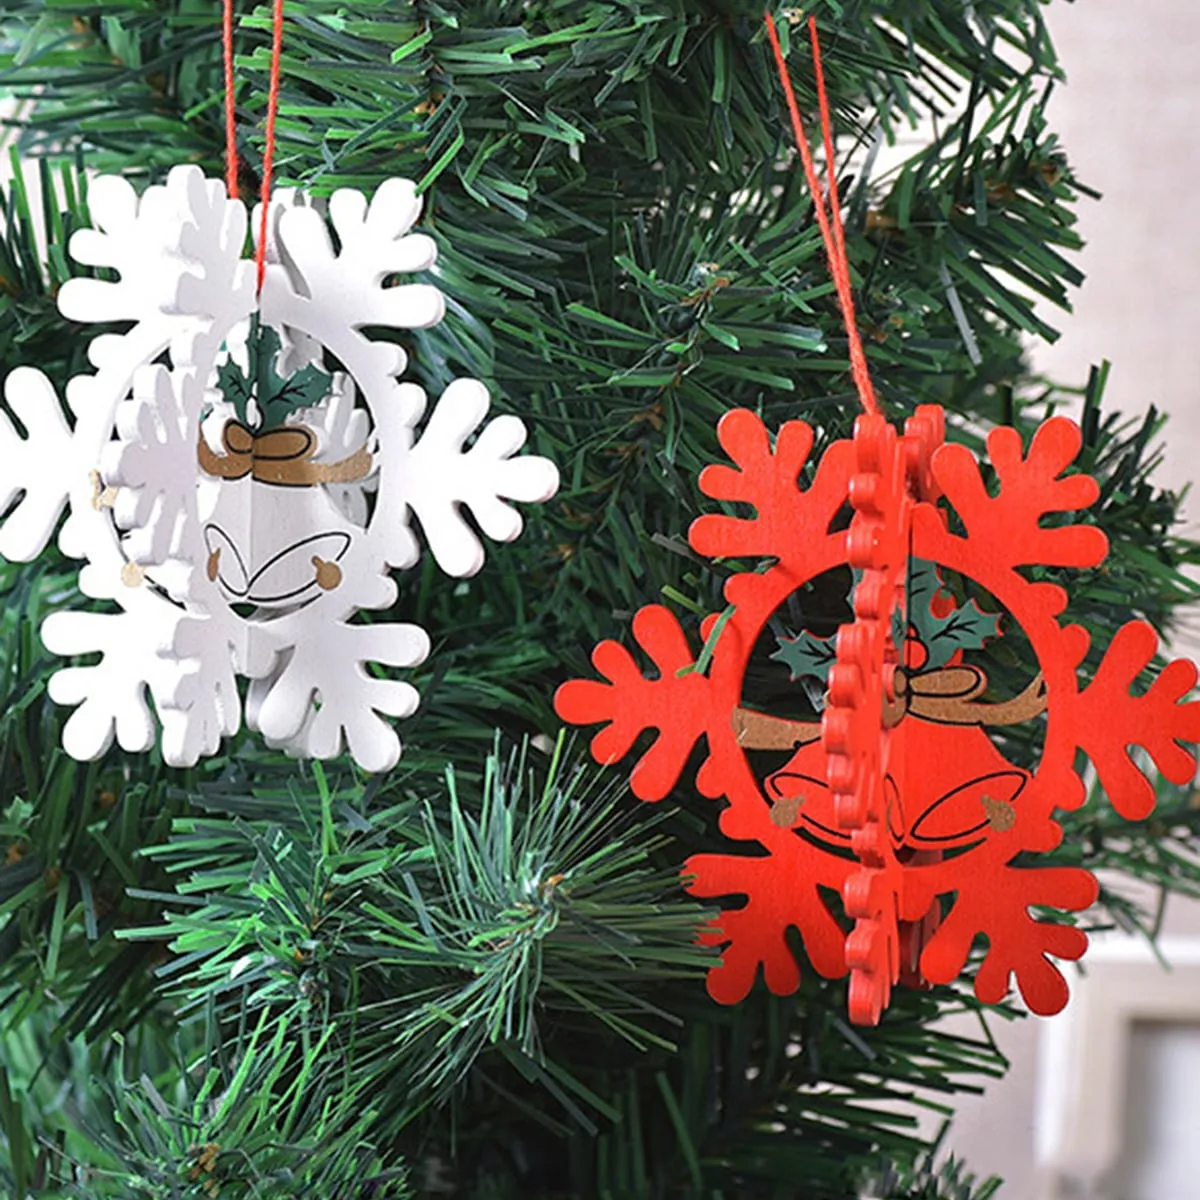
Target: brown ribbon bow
280,456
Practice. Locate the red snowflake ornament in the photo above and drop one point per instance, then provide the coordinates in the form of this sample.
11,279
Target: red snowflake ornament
899,801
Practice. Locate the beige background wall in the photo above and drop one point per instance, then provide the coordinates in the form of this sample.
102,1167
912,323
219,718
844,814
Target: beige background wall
1129,119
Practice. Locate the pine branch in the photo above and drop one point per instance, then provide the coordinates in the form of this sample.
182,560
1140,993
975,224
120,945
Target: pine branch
263,1115
442,928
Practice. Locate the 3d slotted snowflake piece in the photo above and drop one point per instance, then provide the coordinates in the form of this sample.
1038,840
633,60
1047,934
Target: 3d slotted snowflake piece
897,800
242,472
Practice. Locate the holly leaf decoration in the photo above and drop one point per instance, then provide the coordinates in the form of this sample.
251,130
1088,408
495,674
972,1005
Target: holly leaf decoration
275,398
236,388
805,654
967,627
305,389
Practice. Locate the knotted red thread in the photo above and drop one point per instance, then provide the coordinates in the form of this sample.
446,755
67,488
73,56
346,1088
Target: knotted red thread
231,156
231,159
828,218
269,150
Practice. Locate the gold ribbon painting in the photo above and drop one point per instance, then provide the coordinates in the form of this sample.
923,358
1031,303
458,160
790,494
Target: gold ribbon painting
281,456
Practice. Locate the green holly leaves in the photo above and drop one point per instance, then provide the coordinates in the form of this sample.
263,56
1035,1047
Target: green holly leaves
275,398
964,627
805,654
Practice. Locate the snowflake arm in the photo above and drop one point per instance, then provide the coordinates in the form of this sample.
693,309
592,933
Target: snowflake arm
1007,527
187,225
1017,943
377,235
440,476
376,242
344,429
152,466
768,479
316,700
216,280
110,697
32,465
675,704
778,896
128,235
203,704
1108,719
181,279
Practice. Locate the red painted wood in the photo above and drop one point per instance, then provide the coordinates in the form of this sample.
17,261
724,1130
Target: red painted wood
934,815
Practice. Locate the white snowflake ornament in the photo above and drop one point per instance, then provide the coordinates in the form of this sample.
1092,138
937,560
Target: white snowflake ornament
242,472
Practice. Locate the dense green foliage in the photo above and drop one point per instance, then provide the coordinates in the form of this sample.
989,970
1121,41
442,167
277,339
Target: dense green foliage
476,977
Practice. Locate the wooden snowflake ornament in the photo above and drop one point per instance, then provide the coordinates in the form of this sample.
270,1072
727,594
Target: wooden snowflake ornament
898,801
242,472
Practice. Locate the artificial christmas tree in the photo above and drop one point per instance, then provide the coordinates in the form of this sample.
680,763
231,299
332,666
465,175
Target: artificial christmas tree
475,975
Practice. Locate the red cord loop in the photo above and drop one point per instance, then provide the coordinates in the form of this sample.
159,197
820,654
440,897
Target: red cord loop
829,213
231,155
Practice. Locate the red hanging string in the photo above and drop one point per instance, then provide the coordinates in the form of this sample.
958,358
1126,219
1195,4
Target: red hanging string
260,258
829,219
231,160
231,155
